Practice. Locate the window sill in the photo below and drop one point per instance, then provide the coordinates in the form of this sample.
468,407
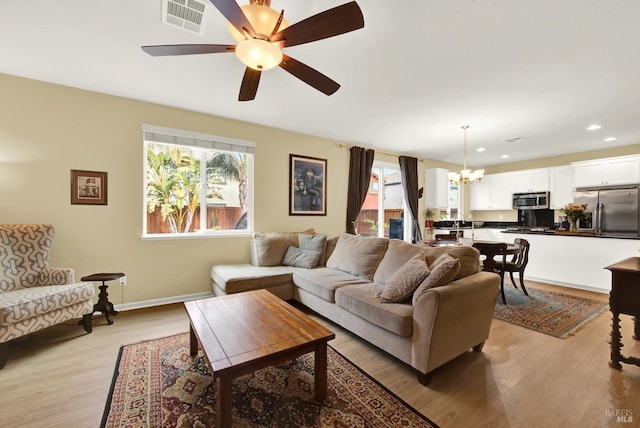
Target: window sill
174,236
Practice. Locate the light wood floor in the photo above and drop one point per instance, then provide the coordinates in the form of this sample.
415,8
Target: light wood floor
60,377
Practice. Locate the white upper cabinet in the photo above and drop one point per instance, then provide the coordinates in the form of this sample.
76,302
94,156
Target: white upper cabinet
607,172
532,180
436,188
480,194
561,186
492,193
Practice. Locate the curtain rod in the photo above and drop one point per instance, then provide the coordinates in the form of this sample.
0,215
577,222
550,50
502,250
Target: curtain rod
341,145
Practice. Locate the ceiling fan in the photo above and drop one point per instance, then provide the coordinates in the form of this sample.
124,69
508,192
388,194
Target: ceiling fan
262,33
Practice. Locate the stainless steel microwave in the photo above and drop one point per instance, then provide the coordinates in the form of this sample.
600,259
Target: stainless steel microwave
531,201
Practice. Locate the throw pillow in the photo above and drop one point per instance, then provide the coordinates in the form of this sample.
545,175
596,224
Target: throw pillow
441,274
405,280
315,242
267,249
298,257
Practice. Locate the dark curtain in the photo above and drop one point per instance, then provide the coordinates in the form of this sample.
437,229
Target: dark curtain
360,164
409,174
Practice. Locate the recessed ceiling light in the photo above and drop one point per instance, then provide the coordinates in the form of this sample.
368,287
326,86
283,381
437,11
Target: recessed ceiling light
594,127
480,149
610,139
504,156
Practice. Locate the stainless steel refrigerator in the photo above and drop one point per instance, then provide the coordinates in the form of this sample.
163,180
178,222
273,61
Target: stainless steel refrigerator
611,212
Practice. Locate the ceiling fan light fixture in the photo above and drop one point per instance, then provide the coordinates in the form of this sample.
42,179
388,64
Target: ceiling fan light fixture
259,54
262,18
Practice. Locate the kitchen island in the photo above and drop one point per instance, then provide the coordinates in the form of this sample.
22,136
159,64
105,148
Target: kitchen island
574,260
570,259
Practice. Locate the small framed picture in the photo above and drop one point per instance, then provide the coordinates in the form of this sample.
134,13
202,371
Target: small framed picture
307,185
88,187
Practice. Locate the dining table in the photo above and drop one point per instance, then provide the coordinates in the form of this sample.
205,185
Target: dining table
488,263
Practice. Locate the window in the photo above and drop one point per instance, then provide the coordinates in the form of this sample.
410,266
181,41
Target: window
384,204
196,184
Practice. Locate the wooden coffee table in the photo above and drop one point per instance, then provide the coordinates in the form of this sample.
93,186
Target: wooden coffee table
244,332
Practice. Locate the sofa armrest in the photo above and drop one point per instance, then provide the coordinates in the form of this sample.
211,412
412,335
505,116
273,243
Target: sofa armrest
453,318
56,276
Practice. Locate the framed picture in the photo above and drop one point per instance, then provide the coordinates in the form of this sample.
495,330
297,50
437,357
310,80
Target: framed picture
307,185
88,187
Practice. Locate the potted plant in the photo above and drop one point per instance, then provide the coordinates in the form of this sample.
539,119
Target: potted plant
428,214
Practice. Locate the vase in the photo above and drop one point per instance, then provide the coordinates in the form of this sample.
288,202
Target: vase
572,225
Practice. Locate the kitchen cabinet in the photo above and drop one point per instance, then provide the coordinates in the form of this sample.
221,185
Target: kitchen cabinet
436,186
607,172
492,193
561,186
532,180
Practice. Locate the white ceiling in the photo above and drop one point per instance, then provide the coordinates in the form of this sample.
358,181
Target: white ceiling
543,70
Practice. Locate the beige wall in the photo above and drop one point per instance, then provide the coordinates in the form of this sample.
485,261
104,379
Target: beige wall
46,130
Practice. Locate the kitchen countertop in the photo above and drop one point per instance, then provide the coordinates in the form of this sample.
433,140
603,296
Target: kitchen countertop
551,232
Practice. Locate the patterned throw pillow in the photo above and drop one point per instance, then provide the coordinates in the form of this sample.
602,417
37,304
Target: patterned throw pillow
405,280
443,271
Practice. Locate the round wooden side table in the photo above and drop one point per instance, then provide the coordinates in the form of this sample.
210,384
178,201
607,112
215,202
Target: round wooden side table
104,305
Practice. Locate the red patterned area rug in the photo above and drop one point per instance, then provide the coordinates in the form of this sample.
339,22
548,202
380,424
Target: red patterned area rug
555,314
157,384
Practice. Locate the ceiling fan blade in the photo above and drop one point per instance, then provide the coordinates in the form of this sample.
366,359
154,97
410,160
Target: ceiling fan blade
309,75
332,22
232,12
249,85
165,50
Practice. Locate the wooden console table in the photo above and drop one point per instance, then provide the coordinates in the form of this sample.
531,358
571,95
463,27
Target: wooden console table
104,305
624,299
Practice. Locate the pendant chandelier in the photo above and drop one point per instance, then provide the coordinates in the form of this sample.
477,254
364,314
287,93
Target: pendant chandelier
465,175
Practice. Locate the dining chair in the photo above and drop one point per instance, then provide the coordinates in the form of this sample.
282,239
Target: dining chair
491,250
518,263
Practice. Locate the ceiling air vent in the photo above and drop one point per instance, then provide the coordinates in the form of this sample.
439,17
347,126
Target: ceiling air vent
515,140
186,14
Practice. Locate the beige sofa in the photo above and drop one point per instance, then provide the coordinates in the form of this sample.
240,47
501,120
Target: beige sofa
425,329
33,295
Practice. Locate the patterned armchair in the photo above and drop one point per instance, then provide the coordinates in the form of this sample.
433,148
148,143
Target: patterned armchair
33,295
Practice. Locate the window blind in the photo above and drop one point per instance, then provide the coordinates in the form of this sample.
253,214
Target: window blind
158,134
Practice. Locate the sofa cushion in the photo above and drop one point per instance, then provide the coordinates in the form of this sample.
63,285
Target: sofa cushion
442,272
398,253
245,277
302,258
29,302
402,284
268,249
323,282
332,240
357,255
362,300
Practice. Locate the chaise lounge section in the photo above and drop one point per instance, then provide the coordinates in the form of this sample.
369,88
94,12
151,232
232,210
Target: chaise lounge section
378,289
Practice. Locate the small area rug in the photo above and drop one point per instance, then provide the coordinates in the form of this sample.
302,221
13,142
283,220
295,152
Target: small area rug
157,384
555,314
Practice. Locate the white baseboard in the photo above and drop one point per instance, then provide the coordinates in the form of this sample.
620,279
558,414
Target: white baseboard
163,301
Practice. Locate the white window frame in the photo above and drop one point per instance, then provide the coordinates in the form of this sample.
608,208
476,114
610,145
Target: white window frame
159,134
